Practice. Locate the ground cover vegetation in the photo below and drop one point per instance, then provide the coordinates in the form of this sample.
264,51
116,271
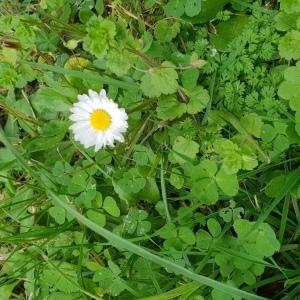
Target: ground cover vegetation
201,201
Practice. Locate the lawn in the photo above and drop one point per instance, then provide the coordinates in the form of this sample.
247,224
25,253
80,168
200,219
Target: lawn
149,149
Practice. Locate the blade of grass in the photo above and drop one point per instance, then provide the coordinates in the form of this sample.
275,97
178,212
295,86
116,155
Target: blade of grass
173,294
284,218
292,180
163,191
92,76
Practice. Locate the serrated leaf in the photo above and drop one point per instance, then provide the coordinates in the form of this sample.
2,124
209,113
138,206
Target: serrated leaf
199,98
189,78
100,36
160,80
192,7
290,6
166,32
286,22
174,8
119,62
289,45
169,108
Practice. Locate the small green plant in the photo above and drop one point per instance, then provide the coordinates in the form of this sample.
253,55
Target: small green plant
149,149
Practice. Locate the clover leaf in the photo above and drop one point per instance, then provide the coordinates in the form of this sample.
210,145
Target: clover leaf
207,180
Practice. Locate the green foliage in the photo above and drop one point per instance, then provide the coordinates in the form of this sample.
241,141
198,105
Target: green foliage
160,80
170,108
290,6
165,31
289,45
290,90
207,180
201,199
100,36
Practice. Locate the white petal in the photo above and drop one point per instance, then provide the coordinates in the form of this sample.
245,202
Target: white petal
84,106
109,137
87,138
119,137
79,117
93,94
83,97
99,141
80,126
102,94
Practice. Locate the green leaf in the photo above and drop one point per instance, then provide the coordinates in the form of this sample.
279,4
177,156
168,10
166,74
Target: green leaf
203,239
289,45
184,150
274,185
149,3
227,31
260,242
168,231
165,31
214,227
59,276
100,36
286,22
77,184
228,183
58,214
209,9
111,206
186,235
199,98
205,191
53,99
143,227
268,133
174,8
176,178
253,124
206,168
160,80
189,78
119,62
192,7
99,6
290,6
169,108
8,75
6,291
96,217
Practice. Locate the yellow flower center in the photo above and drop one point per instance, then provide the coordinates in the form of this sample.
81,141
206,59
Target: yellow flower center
100,119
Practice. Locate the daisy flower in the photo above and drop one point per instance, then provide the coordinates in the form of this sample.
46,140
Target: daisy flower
98,121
